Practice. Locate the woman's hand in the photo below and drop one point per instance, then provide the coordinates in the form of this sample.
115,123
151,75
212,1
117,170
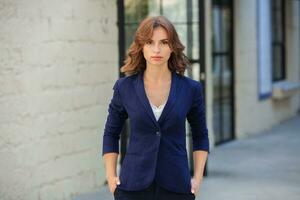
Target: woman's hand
112,183
195,185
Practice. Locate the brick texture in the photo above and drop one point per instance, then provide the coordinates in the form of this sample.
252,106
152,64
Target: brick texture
58,63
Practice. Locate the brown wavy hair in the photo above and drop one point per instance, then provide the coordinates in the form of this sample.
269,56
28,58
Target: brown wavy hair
135,61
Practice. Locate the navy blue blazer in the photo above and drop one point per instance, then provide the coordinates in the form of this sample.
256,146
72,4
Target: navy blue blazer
156,149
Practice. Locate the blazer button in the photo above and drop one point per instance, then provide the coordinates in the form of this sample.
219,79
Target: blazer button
158,133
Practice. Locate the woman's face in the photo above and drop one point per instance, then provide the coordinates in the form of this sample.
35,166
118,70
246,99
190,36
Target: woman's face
157,51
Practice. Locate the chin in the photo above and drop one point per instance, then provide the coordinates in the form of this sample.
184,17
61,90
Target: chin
158,63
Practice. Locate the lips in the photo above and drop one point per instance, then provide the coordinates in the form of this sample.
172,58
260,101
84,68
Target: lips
156,57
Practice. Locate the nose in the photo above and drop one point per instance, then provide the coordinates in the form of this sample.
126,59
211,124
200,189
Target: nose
156,48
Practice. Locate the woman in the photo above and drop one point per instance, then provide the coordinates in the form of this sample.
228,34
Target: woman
157,98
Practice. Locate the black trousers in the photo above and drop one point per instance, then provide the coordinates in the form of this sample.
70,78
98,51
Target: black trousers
153,192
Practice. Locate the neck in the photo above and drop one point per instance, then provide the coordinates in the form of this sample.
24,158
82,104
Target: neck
157,73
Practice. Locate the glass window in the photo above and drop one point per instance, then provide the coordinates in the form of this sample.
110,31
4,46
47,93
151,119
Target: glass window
173,10
278,43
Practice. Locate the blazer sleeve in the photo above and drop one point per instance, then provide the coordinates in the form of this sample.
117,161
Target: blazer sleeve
114,122
197,120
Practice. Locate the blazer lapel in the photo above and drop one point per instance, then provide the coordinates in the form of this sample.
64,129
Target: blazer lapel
171,98
141,93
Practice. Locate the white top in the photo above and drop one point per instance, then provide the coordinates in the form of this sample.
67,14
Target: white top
157,110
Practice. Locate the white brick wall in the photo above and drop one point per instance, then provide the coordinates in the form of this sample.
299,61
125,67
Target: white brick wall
58,63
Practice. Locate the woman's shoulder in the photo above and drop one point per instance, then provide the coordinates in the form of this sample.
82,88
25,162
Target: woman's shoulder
190,82
125,81
127,78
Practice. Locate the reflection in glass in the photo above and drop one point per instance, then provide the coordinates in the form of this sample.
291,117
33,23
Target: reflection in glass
277,62
221,24
174,10
135,10
222,71
278,42
195,42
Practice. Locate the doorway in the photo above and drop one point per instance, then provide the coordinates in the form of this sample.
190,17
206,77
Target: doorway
222,59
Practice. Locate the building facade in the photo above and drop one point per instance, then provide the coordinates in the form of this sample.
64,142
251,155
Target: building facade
59,61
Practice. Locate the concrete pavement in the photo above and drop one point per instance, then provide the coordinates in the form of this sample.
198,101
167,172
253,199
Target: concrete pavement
263,167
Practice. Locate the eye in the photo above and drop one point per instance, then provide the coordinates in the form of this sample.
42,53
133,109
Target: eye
165,42
149,42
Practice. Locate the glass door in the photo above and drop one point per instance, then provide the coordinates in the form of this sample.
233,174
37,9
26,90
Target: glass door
222,23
